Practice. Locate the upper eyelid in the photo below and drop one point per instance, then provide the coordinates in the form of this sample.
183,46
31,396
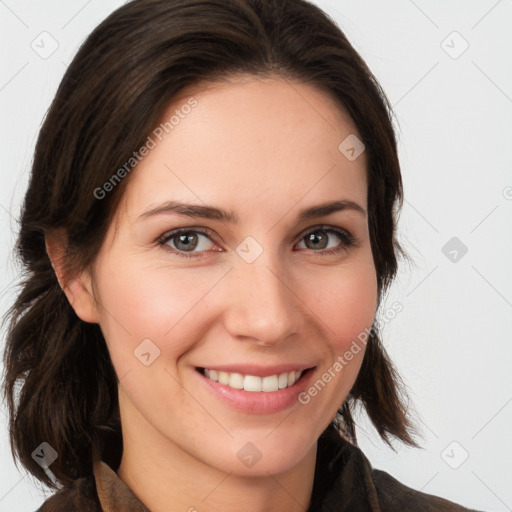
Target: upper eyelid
324,227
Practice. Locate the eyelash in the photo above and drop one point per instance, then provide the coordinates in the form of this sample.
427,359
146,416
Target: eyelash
347,240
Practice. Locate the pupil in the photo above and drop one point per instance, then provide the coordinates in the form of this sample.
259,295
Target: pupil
187,244
318,238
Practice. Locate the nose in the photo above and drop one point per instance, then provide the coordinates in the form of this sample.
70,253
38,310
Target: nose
263,306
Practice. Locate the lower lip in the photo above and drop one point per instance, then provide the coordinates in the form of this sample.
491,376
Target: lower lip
258,402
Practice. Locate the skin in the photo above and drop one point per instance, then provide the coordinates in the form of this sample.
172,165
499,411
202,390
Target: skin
265,149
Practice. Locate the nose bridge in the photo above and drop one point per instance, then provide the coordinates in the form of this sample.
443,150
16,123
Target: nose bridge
263,306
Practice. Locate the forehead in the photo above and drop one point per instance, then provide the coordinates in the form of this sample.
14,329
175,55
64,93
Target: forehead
248,141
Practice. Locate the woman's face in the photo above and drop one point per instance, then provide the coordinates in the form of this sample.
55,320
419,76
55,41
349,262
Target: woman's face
262,294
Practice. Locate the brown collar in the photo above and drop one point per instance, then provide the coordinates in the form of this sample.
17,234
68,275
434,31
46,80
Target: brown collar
113,493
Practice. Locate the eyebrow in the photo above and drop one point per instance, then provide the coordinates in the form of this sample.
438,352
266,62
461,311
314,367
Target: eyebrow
212,212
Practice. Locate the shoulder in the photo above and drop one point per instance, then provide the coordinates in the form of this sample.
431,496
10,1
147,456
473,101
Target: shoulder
80,496
395,496
345,475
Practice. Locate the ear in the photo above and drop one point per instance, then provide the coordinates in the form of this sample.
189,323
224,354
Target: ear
78,288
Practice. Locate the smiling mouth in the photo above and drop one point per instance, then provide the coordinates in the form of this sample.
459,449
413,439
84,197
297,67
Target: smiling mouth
253,383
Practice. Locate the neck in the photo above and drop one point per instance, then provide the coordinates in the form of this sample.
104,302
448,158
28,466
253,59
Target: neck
166,477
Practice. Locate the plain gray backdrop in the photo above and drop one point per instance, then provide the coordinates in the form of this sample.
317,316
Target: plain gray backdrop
446,68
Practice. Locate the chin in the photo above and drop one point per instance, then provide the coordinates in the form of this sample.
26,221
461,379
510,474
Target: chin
258,455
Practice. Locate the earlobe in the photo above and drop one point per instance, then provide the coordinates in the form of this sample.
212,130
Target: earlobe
78,289
80,296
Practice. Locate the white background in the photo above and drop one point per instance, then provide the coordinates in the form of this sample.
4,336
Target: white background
452,341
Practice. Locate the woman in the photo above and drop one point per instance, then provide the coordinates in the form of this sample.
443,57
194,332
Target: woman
208,232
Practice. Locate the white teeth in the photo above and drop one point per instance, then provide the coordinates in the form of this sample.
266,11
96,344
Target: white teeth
236,380
269,383
283,380
253,383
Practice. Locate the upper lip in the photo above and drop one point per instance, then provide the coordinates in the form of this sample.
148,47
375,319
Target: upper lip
258,371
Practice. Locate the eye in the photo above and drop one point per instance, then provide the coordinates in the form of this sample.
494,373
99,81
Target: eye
192,243
185,240
319,240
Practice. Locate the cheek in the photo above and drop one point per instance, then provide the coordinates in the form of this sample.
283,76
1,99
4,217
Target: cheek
138,304
346,303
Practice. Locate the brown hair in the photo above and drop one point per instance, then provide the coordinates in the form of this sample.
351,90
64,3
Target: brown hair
59,382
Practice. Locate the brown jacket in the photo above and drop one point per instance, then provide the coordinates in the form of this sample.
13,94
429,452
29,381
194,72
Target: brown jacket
344,482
